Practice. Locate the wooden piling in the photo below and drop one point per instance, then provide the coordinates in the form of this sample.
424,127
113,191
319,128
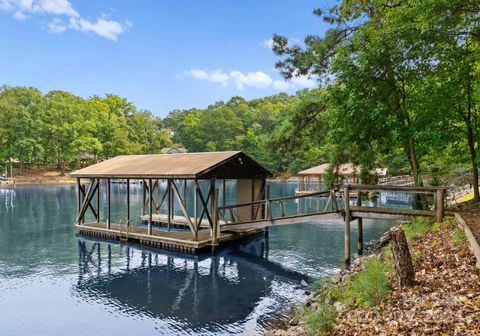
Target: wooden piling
346,208
359,227
150,207
109,208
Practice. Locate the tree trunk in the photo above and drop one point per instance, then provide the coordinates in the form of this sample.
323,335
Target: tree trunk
402,259
473,158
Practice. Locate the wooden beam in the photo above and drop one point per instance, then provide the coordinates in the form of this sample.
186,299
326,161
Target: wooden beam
109,209
98,201
347,216
185,212
216,229
204,204
128,200
150,208
359,226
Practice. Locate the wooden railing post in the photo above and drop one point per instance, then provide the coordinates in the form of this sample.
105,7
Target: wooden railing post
346,209
440,210
359,226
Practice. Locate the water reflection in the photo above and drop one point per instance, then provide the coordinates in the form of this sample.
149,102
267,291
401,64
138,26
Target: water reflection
209,293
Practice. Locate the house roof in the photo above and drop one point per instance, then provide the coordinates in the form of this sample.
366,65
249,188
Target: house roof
173,150
343,169
234,165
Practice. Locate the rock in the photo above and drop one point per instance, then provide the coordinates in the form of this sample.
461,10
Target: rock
339,307
315,305
293,321
280,332
307,292
303,283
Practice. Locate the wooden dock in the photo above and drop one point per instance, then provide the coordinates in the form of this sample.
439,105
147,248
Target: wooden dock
176,180
181,241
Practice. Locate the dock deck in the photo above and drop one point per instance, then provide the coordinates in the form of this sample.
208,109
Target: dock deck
175,221
182,241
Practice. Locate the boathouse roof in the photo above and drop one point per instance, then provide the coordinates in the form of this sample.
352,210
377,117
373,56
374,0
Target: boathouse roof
223,165
342,169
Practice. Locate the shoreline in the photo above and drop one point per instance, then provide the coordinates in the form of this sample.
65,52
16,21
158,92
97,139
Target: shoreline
436,254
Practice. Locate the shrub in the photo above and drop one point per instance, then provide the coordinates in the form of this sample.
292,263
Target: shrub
370,286
459,236
322,318
416,228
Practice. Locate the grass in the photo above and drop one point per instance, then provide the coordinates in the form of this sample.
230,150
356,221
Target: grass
321,319
459,236
417,228
370,286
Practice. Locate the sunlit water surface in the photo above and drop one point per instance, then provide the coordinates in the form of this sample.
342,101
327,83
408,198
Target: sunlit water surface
54,283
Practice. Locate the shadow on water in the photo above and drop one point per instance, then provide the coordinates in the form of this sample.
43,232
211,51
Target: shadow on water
206,291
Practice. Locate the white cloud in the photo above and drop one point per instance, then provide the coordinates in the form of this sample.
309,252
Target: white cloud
56,26
216,76
105,28
256,79
56,9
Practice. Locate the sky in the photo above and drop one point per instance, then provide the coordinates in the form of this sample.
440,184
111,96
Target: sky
159,54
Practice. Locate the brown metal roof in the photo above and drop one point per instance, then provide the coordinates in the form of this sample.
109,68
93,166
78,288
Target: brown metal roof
182,165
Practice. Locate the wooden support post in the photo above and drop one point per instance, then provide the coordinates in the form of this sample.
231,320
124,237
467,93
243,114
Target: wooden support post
333,195
79,196
347,216
195,206
185,193
169,204
216,229
224,191
98,201
213,204
440,210
144,192
109,209
359,226
128,200
150,207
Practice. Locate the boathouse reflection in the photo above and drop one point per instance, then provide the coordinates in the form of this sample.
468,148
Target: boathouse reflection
202,290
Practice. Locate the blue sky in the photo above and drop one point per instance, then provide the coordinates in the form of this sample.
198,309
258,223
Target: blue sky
161,55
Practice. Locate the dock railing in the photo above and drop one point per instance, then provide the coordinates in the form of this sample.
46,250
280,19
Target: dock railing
263,210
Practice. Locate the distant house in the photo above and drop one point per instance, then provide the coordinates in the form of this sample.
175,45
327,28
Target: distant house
174,150
310,180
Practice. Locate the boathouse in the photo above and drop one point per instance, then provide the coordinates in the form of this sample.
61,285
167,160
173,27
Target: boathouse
310,180
199,178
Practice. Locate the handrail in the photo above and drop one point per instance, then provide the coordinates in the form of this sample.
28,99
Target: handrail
279,199
405,189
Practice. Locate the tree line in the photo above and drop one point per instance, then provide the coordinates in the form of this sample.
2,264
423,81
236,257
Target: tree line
59,129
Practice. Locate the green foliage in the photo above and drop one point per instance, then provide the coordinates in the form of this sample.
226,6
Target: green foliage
321,319
370,286
59,128
459,236
416,228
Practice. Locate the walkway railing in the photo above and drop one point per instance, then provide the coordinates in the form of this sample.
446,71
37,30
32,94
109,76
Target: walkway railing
353,207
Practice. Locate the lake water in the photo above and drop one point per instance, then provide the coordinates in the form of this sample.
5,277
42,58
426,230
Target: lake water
54,283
